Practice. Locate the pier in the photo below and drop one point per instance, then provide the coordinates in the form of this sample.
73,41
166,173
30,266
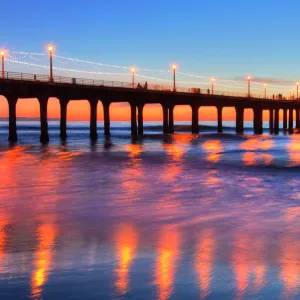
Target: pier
14,86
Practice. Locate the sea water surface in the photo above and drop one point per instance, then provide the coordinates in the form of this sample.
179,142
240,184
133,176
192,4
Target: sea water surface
208,216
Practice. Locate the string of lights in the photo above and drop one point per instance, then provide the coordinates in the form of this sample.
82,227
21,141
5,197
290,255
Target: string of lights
34,60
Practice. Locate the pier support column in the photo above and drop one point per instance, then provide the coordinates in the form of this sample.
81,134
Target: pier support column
258,124
195,119
63,118
140,119
106,115
271,120
239,119
166,119
12,123
133,119
93,119
285,119
44,138
297,118
171,119
276,121
220,123
291,121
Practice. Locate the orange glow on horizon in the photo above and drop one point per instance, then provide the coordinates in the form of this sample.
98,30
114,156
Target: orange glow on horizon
80,111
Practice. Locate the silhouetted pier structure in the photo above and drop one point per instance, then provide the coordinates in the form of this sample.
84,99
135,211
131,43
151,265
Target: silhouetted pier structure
18,85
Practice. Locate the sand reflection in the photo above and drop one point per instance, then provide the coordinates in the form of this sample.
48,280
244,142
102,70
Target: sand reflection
126,243
214,149
46,234
205,260
293,149
166,262
252,156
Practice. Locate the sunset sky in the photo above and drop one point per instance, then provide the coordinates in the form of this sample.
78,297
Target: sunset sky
202,37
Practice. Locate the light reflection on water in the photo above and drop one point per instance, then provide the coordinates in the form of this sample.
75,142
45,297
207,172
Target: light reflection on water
209,217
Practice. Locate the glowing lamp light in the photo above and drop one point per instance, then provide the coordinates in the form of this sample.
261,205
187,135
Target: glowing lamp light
2,53
212,80
133,70
174,67
297,83
50,48
249,78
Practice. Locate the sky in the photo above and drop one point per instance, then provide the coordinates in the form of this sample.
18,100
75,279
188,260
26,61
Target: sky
221,39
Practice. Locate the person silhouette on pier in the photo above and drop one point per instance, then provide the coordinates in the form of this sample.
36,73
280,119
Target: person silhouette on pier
146,85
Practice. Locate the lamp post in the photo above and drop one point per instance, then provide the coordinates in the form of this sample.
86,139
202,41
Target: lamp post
249,81
212,85
2,53
290,94
297,90
293,93
265,86
50,49
174,67
132,73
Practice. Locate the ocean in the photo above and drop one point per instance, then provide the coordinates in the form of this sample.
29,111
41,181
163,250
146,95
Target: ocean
208,216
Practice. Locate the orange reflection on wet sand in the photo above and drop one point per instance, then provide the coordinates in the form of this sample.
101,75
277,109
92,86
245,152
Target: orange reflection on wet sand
134,150
165,267
249,258
289,266
240,262
214,149
4,223
293,148
43,258
126,243
205,260
252,144
251,158
173,169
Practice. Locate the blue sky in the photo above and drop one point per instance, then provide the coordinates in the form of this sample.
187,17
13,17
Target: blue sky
212,38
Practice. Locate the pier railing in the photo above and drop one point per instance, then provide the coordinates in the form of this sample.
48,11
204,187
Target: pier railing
118,84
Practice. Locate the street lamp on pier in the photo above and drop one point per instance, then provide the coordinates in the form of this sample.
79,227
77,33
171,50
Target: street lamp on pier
249,82
265,86
132,75
2,53
293,93
174,67
297,84
50,49
212,85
